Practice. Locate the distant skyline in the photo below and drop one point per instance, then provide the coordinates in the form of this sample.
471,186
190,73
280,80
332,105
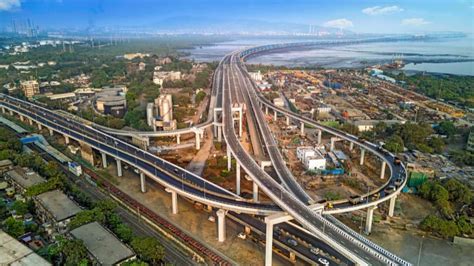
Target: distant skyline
365,16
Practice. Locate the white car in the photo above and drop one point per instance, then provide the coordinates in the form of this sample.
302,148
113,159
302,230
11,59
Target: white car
242,235
211,219
314,250
323,261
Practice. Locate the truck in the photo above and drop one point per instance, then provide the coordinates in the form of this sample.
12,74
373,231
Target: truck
396,161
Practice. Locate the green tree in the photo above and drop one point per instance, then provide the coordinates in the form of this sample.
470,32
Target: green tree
20,207
124,232
13,227
75,252
446,127
394,144
437,144
148,249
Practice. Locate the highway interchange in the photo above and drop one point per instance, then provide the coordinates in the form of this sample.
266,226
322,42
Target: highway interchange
231,76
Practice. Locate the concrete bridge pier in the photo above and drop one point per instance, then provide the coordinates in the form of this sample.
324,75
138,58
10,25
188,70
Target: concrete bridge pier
30,121
332,144
362,155
22,118
221,225
382,171
66,139
275,114
198,141
287,120
266,110
104,159
219,133
119,167
178,139
11,112
302,129
237,178
51,132
351,146
270,221
370,217
391,207
174,200
320,135
229,159
142,182
40,127
3,109
255,192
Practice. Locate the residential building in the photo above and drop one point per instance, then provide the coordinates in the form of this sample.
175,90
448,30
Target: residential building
30,88
13,252
470,142
56,209
317,162
279,102
257,76
103,246
23,178
5,166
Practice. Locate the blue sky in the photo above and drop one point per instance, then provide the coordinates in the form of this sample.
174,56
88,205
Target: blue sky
366,16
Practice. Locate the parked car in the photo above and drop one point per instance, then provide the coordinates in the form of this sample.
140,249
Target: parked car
292,242
390,189
323,261
242,235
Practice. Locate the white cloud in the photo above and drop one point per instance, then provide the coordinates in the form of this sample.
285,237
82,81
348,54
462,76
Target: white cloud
341,23
6,5
380,10
415,22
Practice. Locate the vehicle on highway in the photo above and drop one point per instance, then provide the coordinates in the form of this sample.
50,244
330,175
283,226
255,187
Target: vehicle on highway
390,189
242,235
398,182
315,251
375,196
292,242
355,199
211,219
323,261
396,161
136,170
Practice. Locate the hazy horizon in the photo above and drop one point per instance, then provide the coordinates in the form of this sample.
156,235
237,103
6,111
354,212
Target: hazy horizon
245,16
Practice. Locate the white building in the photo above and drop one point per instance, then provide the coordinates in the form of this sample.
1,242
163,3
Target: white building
315,163
279,102
257,76
149,114
311,158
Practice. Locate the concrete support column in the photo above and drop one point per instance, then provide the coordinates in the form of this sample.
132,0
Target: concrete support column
11,112
382,171
221,225
351,146
229,159
302,129
362,155
332,144
287,120
198,141
391,207
22,118
368,220
255,192
266,110
31,121
66,139
240,122
142,182
275,115
119,167
219,134
292,256
268,243
237,178
51,132
104,159
178,139
320,135
3,109
40,127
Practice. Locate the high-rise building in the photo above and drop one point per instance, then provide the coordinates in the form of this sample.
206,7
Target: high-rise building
164,104
30,88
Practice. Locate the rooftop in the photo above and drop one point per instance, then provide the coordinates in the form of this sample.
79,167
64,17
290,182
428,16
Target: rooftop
13,252
25,178
103,245
58,204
